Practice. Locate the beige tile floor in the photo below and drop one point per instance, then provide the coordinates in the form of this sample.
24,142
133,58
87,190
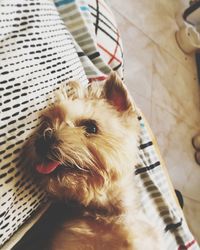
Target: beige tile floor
163,82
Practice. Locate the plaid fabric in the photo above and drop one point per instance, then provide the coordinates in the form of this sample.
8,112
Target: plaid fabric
95,36
79,17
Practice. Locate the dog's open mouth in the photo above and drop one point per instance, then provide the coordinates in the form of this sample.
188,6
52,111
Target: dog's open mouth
47,168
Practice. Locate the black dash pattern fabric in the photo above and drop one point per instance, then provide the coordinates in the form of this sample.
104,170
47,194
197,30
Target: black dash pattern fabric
36,56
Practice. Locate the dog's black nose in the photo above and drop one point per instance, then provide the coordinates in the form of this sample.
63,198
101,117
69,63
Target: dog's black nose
43,144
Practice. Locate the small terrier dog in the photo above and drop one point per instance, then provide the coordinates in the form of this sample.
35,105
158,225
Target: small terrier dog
85,150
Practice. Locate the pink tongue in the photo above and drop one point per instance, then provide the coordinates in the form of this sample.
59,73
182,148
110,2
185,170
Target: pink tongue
47,169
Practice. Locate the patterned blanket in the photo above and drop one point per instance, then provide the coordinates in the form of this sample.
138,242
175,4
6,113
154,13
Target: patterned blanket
44,44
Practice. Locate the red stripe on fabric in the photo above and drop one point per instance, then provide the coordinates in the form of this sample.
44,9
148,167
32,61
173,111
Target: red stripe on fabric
187,246
115,51
110,54
98,78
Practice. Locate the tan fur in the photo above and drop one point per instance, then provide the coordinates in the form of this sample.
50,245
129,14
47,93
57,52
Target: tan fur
97,170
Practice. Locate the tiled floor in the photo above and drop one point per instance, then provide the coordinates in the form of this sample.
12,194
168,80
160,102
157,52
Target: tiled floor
163,82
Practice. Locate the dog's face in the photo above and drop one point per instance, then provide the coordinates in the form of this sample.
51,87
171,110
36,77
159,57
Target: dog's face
86,141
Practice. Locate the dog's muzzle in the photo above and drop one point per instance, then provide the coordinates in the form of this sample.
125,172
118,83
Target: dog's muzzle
44,144
43,147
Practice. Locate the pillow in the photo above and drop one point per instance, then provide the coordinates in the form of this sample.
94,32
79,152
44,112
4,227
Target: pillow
37,54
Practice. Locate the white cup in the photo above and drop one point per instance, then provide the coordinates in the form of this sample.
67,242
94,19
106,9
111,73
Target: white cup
188,39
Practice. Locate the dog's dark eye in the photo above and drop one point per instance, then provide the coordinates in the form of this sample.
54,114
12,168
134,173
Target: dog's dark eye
90,126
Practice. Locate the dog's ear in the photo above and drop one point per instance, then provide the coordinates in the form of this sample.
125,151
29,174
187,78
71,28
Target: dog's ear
117,94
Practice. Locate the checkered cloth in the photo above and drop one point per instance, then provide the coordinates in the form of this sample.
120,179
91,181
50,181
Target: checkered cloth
91,23
38,51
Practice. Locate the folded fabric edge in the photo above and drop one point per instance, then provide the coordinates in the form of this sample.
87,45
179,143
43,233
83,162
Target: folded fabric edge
17,236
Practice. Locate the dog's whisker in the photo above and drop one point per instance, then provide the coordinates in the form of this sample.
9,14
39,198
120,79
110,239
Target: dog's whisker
82,169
